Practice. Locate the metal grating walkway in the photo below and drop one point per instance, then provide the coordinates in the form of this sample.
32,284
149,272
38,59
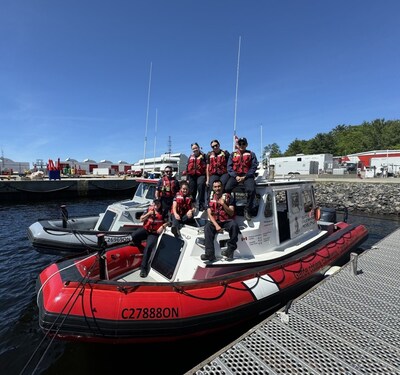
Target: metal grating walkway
347,324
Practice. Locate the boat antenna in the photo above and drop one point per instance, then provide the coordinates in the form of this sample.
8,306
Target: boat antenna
155,141
169,146
147,118
236,95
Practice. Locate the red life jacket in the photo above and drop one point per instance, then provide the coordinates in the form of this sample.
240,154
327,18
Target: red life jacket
216,208
183,203
168,187
241,162
154,221
196,165
217,162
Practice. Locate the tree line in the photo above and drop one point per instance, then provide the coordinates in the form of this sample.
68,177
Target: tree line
345,139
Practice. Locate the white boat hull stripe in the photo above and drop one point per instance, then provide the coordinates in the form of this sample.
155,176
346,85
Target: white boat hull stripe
262,287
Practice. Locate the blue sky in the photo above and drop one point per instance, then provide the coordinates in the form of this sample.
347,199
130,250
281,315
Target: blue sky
74,75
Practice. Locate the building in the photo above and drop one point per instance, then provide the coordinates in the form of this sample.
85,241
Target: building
156,166
376,162
87,166
8,166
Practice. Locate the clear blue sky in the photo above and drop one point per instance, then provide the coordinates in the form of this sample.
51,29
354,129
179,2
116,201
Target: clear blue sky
74,75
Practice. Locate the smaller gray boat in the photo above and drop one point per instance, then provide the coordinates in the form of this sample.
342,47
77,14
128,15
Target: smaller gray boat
81,234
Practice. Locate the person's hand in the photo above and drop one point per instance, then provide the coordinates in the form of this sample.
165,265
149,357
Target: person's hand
177,217
218,229
161,229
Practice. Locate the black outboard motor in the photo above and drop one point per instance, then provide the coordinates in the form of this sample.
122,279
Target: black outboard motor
64,215
328,214
102,244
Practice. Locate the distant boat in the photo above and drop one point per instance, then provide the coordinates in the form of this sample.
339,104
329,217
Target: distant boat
75,235
102,298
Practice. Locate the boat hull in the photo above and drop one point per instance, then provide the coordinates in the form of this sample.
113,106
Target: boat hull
74,307
49,236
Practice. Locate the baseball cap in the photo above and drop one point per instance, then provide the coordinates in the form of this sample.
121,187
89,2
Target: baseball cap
242,140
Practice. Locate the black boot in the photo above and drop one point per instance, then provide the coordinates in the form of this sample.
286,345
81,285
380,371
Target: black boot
209,257
228,254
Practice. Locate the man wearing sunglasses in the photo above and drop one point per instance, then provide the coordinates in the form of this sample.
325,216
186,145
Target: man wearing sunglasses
242,166
217,161
167,187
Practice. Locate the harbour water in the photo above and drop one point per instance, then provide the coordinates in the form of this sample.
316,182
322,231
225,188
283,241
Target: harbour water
22,348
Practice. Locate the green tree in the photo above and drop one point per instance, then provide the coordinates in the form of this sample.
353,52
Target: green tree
273,150
297,147
349,139
322,143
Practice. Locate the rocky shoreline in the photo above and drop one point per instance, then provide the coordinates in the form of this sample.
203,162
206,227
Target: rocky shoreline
382,198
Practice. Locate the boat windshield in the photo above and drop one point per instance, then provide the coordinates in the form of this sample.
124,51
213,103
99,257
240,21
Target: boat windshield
107,220
147,191
167,255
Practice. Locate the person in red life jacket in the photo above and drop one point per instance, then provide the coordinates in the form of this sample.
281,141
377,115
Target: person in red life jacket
221,212
183,209
196,175
167,187
153,225
242,166
217,165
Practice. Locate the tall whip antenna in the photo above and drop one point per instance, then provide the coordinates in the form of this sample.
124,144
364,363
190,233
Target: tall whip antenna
147,119
236,95
155,141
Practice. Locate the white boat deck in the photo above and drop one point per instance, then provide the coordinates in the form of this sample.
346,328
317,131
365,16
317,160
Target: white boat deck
348,324
280,252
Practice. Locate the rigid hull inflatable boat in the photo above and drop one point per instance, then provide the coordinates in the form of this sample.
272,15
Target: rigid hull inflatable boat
101,297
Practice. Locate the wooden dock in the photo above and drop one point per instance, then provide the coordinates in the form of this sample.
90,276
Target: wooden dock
347,324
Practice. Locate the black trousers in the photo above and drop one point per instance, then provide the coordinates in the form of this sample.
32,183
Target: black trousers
209,234
140,235
166,204
249,186
197,188
184,220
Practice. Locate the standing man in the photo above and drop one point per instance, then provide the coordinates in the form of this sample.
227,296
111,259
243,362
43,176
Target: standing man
242,166
221,211
167,187
217,162
196,174
182,209
153,225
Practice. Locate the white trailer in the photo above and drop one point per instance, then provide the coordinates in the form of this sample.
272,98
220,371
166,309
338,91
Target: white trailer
101,171
390,164
303,164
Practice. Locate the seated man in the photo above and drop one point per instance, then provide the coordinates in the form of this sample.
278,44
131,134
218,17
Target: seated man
242,166
221,211
182,209
153,225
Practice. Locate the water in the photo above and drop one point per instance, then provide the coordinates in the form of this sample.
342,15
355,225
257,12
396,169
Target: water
20,335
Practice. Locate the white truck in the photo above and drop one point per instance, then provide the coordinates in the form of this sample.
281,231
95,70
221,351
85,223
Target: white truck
302,164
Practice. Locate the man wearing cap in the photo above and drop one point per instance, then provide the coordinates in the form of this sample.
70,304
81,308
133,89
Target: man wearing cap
242,166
